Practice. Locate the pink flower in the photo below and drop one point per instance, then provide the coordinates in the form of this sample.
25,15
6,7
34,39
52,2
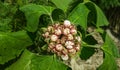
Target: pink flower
69,47
54,38
70,37
78,38
59,47
50,28
73,31
67,23
67,43
51,45
58,32
66,31
73,51
46,34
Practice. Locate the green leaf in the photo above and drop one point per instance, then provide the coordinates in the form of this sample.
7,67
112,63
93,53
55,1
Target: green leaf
109,63
79,14
12,44
96,14
33,12
86,53
110,47
47,63
30,61
23,63
60,5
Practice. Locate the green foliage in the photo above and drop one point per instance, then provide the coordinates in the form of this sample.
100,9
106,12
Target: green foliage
47,62
12,44
21,20
109,63
110,47
98,17
79,15
60,5
86,53
23,63
30,61
33,12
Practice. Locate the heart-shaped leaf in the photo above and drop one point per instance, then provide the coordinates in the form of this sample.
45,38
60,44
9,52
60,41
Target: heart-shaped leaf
11,45
33,12
79,14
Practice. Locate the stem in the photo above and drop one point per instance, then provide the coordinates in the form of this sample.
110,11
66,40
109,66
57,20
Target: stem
51,19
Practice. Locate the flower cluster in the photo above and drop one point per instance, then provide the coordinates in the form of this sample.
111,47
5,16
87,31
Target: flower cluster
62,39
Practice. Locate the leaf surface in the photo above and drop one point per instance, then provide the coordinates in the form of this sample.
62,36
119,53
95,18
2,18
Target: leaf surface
108,63
60,5
33,12
96,15
30,61
79,14
12,44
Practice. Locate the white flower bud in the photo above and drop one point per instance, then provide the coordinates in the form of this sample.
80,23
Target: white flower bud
69,47
73,31
50,28
64,52
70,37
58,32
51,45
73,51
54,38
78,38
67,43
46,34
67,23
65,57
77,48
59,47
66,31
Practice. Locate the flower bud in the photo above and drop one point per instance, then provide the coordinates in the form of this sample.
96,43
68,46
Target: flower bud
66,31
67,23
58,32
46,34
69,43
78,38
69,47
77,47
73,51
50,28
73,31
59,47
54,38
65,57
51,45
70,37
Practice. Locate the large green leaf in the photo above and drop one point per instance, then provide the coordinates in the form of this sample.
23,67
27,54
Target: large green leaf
79,15
33,12
110,47
96,14
23,63
46,63
108,63
60,5
11,44
30,61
